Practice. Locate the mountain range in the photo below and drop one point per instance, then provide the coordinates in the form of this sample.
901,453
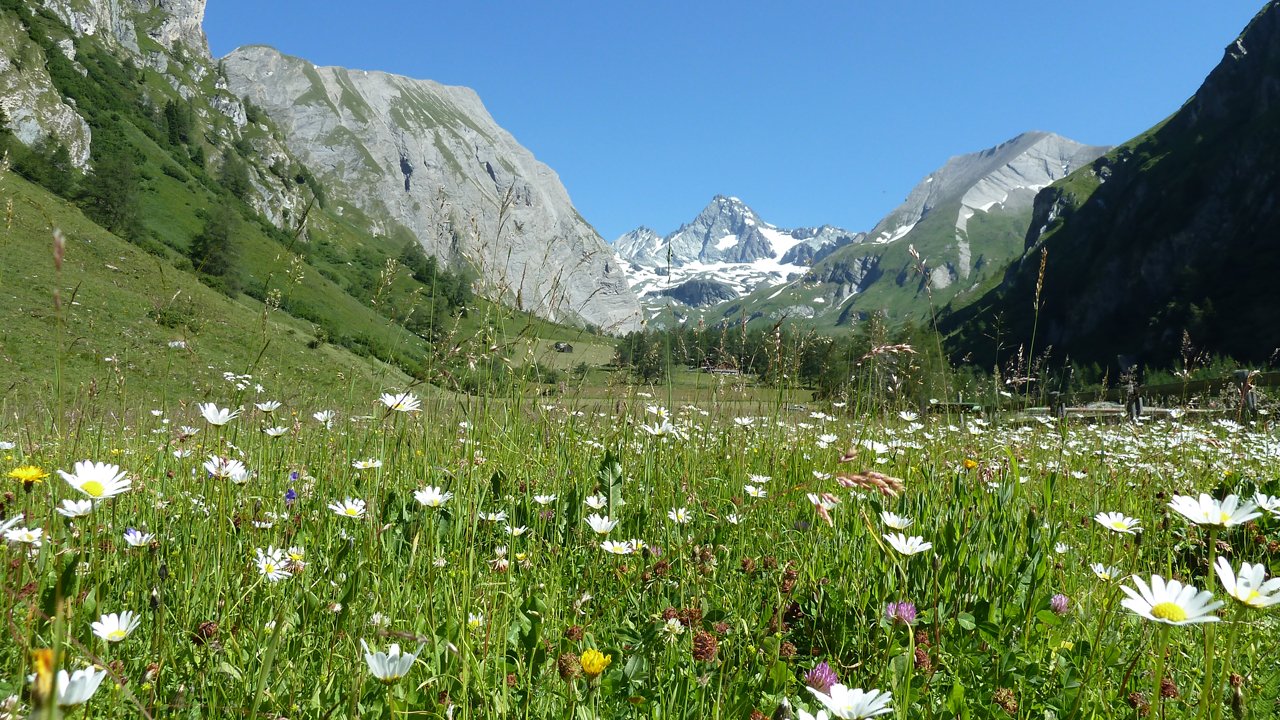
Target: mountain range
963,222
377,187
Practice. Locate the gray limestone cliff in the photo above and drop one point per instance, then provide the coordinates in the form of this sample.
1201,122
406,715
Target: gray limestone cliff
429,158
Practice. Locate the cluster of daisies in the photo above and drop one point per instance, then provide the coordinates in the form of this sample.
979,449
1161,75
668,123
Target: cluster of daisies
1172,602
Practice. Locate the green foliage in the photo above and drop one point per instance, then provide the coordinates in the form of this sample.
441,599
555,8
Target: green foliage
110,193
178,122
234,176
47,163
213,250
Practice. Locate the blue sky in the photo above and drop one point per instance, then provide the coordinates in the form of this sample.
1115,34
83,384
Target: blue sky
811,112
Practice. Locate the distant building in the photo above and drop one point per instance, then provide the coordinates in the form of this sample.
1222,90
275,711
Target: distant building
721,369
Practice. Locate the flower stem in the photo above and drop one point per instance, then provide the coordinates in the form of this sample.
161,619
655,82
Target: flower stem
1162,642
1208,631
1237,621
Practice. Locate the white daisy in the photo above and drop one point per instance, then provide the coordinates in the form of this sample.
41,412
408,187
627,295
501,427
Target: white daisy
75,508
116,627
601,524
1170,602
854,704
401,402
350,507
1251,586
215,415
1118,522
97,480
272,564
907,545
137,538
1207,511
895,521
432,497
392,665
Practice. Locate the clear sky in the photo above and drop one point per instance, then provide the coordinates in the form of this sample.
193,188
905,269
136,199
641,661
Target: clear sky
811,112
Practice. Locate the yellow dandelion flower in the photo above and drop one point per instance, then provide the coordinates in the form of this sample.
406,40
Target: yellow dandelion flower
594,662
28,474
970,463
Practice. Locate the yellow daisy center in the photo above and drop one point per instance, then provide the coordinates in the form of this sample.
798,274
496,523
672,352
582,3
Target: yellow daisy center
93,488
1223,518
1169,611
269,568
1119,525
1252,596
116,635
351,511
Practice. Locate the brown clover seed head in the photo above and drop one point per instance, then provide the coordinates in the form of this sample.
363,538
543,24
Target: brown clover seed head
721,628
206,631
769,562
757,715
574,632
661,568
705,646
1138,702
922,638
691,616
786,651
748,566
512,680
923,662
669,613
568,666
1005,699
1167,688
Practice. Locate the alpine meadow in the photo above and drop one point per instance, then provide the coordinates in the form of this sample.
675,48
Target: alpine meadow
322,399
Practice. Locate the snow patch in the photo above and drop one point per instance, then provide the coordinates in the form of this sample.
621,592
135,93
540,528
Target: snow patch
899,233
726,242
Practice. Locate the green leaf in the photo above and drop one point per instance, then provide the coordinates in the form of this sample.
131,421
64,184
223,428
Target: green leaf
1049,618
966,621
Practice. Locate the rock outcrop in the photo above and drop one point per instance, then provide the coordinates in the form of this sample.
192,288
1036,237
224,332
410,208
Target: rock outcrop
34,108
427,157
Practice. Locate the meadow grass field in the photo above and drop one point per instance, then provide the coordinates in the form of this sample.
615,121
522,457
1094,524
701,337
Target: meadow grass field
458,557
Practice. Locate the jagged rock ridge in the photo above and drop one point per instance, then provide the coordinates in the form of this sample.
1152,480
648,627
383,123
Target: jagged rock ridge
430,158
726,252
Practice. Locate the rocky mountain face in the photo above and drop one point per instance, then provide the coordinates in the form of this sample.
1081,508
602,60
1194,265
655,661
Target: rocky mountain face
1169,237
168,23
724,253
164,37
958,226
33,107
429,158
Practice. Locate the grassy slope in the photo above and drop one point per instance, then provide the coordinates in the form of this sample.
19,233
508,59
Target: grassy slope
109,289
